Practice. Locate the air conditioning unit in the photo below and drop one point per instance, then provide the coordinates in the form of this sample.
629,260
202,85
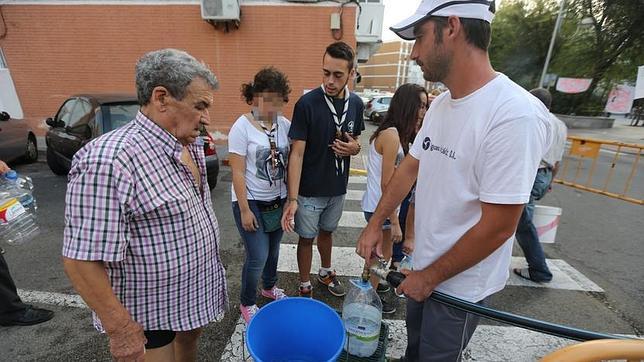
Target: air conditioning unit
370,23
220,10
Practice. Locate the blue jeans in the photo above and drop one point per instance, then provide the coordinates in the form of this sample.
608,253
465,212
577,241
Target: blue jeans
527,236
398,255
262,253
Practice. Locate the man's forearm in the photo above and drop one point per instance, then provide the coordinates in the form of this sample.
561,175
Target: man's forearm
89,278
397,188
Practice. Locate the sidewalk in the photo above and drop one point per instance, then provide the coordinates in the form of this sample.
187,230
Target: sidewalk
620,132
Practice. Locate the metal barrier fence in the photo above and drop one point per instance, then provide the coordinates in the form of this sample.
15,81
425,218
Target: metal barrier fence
605,167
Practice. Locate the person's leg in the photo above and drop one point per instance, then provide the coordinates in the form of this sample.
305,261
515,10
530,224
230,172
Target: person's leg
185,345
527,236
160,346
445,332
307,219
256,246
397,252
10,304
329,220
269,276
413,321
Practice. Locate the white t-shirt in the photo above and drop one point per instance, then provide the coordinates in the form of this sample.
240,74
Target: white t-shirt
373,193
263,181
556,151
484,147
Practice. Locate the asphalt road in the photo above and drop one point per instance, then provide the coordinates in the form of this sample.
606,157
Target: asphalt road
598,236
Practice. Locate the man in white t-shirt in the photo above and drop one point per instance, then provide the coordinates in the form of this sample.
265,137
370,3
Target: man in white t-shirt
475,160
527,236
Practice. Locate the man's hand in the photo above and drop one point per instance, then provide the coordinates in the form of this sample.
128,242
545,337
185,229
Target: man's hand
344,149
396,233
3,167
128,343
408,246
288,217
370,239
416,285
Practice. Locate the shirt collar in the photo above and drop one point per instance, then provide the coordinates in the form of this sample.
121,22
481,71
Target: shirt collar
159,136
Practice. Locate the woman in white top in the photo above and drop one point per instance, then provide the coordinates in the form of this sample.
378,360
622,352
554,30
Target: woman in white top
387,147
258,145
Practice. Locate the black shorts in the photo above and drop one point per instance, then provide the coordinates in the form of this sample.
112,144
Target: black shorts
158,339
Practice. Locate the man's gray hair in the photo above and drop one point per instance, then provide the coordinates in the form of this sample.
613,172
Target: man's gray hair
171,68
543,95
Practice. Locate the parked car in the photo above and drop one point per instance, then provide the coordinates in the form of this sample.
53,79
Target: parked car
84,117
17,140
376,106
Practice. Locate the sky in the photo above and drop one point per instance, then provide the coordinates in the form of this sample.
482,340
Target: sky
395,11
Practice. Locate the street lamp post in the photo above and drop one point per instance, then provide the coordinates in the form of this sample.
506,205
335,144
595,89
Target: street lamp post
562,6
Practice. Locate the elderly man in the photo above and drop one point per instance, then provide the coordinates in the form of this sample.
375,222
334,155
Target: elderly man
475,157
141,237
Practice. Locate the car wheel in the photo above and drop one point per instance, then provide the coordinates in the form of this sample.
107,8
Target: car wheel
54,165
31,150
212,183
375,117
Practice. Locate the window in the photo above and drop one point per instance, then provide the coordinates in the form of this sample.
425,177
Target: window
65,112
80,116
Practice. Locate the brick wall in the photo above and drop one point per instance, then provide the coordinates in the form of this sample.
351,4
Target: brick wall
58,50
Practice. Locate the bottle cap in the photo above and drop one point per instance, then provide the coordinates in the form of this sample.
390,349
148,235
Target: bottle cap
11,175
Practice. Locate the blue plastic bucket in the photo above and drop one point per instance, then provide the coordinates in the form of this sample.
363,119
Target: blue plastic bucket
295,330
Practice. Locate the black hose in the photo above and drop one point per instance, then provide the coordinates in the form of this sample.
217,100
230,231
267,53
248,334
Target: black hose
395,278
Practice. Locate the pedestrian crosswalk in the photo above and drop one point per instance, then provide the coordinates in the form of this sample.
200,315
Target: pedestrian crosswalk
489,343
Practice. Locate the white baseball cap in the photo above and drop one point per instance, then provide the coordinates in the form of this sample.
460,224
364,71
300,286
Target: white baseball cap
473,9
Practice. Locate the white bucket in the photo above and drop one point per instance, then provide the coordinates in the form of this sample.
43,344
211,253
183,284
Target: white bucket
546,220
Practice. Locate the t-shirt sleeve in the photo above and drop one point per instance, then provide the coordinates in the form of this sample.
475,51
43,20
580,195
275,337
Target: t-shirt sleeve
299,123
360,126
97,212
507,163
238,139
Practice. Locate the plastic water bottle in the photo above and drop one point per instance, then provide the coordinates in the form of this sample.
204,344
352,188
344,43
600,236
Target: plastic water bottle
17,209
406,263
362,315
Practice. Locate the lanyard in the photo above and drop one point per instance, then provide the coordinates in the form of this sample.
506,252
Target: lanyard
339,122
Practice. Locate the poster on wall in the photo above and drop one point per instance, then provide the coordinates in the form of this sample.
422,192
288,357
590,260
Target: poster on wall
573,85
639,84
620,99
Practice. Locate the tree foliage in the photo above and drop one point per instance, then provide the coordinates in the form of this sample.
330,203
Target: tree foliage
598,39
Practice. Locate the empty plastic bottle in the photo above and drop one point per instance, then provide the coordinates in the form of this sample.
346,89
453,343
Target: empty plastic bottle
17,209
362,315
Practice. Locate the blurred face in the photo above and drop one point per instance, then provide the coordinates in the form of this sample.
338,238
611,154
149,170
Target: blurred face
268,104
430,54
186,115
424,104
336,74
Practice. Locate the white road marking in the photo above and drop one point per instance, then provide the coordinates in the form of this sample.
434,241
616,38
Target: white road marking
354,195
59,299
357,179
352,219
347,263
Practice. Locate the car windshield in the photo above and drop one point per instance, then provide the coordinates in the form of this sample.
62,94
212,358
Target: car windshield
385,100
116,115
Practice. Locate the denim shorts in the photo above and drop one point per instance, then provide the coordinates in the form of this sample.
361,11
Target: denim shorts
317,213
385,226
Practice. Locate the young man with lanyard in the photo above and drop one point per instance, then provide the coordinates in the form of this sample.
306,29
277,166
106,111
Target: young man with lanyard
325,126
475,160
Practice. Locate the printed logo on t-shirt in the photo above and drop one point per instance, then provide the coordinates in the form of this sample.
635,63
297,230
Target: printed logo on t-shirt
269,169
427,145
350,127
